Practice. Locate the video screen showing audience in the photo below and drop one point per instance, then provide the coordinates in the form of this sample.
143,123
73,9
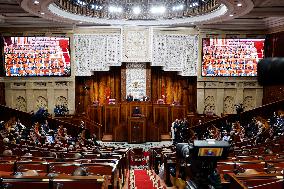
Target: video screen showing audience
231,57
37,56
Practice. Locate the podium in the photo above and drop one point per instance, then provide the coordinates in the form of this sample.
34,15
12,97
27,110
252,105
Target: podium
136,129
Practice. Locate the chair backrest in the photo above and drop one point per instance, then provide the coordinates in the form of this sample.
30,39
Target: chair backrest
18,183
62,168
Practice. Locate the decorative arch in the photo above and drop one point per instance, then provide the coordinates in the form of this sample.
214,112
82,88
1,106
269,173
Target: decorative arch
41,102
229,105
248,103
61,101
209,104
21,104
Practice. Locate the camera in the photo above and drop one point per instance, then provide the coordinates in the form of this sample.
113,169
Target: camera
197,163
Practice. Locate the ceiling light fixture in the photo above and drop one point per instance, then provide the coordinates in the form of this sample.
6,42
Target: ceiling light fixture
158,10
178,7
36,2
239,5
42,13
114,9
136,10
231,15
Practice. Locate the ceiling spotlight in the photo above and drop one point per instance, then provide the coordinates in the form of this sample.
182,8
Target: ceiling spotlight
83,3
80,22
136,10
231,15
178,7
158,10
239,4
96,7
36,2
42,13
114,9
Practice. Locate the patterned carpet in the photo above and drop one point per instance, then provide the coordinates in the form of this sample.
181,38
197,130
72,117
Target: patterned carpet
143,162
142,179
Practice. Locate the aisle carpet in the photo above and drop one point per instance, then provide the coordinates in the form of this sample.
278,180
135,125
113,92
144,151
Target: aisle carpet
142,180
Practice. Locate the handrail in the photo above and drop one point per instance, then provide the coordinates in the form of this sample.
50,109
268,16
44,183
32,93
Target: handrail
253,112
26,118
89,124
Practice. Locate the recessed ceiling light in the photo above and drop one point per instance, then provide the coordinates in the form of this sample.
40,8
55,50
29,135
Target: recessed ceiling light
114,9
158,10
136,10
231,15
80,22
239,4
36,2
42,13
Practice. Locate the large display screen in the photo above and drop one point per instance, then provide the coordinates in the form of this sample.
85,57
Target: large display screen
231,57
37,56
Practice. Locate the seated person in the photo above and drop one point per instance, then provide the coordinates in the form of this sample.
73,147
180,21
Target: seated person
136,112
129,98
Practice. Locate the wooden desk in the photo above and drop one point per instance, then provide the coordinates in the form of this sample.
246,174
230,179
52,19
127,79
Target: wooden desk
136,129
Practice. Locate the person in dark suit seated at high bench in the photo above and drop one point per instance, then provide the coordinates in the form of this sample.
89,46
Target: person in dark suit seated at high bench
136,112
129,98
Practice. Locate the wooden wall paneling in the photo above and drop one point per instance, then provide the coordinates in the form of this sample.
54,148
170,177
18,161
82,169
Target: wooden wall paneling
112,118
178,112
2,94
140,105
94,88
175,87
161,117
136,129
152,131
95,113
192,94
120,131
148,80
124,114
154,84
123,83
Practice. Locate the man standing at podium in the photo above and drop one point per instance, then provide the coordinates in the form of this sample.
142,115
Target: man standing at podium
136,112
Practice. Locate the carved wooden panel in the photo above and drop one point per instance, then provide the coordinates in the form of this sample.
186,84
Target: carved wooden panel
136,130
136,80
96,52
178,112
161,117
95,113
136,44
176,52
112,118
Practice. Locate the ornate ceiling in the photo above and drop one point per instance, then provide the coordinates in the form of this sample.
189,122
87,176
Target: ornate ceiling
252,15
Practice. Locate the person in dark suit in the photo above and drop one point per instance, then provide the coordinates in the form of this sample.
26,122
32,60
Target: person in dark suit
129,98
136,112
